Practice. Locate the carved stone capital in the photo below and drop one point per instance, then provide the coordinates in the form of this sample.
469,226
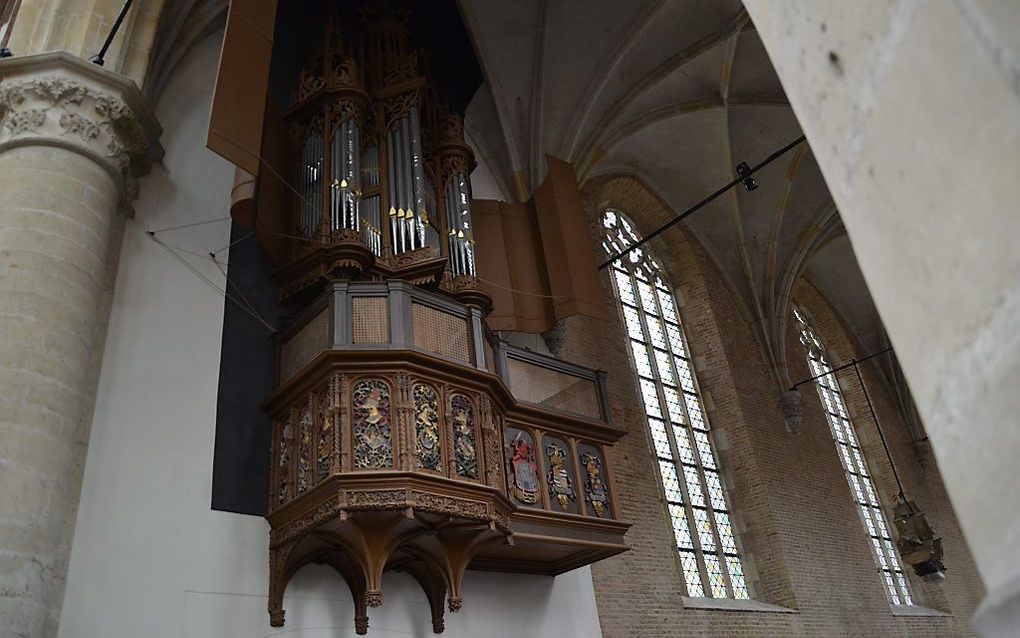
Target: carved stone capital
793,410
57,99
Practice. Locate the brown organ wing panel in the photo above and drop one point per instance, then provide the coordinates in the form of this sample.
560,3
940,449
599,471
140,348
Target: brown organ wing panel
235,128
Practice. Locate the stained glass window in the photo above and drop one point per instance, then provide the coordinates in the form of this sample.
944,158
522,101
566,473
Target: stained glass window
862,487
688,468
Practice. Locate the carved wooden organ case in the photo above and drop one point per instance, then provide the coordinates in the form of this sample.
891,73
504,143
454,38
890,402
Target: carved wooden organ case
406,436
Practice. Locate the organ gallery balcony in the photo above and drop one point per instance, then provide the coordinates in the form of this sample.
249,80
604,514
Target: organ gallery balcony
406,437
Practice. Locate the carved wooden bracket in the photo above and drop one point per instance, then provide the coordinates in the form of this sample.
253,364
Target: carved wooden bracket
431,538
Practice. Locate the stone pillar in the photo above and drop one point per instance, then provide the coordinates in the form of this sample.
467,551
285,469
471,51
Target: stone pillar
73,140
81,26
913,112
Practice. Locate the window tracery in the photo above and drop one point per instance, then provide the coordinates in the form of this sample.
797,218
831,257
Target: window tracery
688,469
858,475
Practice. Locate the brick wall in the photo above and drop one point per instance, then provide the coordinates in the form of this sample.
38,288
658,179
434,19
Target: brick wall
803,544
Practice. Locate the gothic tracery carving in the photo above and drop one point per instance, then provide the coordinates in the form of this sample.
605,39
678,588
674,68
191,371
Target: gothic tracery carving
373,439
464,449
428,439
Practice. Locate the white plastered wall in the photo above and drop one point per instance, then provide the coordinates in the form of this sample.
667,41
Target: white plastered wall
150,558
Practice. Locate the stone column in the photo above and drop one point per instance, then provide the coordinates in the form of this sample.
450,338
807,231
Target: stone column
73,140
913,112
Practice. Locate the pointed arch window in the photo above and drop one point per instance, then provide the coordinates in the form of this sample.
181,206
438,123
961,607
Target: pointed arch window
862,487
688,465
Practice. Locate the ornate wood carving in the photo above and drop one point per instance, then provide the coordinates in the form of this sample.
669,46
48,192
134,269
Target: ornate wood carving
367,517
398,455
405,421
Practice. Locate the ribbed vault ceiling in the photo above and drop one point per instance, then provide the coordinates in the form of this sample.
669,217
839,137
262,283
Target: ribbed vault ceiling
675,93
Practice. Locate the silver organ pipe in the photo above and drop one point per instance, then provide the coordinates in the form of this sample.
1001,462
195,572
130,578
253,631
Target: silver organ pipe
469,244
311,183
344,191
353,149
336,171
401,183
320,158
391,180
458,217
418,178
405,184
431,234
304,168
370,213
335,174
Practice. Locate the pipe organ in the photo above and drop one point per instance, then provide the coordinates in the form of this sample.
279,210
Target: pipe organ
406,435
381,165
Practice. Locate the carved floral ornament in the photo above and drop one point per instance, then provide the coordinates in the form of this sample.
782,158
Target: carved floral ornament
82,115
55,106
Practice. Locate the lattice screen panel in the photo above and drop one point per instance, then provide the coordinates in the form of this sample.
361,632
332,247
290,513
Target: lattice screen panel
553,389
441,333
370,320
305,345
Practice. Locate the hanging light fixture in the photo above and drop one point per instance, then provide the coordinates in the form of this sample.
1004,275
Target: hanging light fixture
917,544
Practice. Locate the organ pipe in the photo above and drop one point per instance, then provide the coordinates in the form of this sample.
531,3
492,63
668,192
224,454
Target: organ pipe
458,213
311,183
356,113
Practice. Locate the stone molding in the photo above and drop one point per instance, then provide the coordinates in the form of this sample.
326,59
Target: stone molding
57,99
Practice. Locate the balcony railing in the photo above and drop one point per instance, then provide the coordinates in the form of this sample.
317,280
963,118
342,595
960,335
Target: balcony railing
398,417
397,316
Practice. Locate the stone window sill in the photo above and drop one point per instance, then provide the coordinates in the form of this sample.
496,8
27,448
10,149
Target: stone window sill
918,610
730,604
